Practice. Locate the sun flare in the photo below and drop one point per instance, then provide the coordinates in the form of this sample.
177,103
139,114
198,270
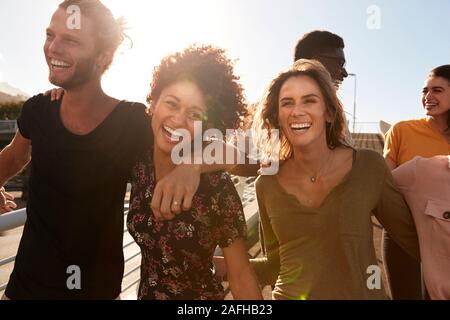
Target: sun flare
156,29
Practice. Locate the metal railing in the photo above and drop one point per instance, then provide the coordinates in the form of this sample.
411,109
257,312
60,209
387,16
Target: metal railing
17,219
8,126
12,220
366,127
245,187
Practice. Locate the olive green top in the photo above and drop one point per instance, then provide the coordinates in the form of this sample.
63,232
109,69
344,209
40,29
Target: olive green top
326,253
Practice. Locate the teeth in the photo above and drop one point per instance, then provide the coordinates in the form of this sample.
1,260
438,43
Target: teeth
175,135
300,125
59,63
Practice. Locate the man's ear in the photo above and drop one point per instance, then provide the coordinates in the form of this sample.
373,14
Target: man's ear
105,59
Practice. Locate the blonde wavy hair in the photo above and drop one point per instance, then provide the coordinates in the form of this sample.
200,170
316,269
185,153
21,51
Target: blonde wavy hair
266,116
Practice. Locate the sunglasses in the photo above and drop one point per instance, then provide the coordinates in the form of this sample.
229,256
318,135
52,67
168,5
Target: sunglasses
342,62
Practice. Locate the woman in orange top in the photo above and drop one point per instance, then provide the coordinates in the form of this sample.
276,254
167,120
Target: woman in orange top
426,137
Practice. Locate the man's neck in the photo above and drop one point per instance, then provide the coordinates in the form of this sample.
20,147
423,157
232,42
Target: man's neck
85,107
82,98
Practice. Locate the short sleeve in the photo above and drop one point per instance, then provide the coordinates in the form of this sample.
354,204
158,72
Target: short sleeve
139,182
25,120
231,223
143,134
392,143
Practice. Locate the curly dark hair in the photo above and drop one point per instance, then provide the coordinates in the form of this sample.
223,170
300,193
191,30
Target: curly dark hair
210,69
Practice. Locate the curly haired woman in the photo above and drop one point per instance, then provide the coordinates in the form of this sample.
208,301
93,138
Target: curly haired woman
194,85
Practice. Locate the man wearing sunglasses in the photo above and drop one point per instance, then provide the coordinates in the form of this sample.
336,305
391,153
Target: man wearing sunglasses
328,49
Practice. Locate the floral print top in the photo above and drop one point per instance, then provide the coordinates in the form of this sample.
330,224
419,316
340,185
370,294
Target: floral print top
177,254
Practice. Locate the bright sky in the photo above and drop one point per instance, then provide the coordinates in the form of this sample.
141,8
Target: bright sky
390,55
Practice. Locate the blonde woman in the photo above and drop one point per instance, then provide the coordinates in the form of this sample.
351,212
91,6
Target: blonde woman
316,212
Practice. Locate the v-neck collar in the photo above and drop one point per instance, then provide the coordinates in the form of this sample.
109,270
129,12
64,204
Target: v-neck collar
94,131
355,162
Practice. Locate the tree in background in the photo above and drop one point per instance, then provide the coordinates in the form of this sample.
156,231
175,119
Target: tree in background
10,110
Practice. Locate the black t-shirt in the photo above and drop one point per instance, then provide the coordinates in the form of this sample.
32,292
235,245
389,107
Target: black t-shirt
75,210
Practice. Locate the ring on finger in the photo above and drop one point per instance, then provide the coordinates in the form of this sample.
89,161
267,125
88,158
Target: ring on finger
176,203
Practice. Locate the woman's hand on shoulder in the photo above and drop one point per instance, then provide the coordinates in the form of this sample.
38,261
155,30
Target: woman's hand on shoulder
55,93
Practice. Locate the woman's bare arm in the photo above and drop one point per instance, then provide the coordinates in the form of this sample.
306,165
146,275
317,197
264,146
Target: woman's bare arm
241,277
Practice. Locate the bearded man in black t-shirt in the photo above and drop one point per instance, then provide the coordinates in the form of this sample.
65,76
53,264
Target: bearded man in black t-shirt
82,150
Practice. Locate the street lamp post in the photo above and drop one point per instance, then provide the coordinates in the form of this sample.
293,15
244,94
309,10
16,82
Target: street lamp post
354,102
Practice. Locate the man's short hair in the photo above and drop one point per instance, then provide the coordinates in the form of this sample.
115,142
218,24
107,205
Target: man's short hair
316,42
110,32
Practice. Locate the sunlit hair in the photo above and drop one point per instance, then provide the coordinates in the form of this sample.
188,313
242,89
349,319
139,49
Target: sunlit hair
109,31
443,72
266,117
210,69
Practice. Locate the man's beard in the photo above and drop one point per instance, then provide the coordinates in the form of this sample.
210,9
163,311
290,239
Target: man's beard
84,71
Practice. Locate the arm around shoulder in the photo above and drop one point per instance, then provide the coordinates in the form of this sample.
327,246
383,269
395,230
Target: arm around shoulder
395,216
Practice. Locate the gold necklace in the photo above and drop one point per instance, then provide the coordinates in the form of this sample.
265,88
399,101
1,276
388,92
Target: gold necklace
314,177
